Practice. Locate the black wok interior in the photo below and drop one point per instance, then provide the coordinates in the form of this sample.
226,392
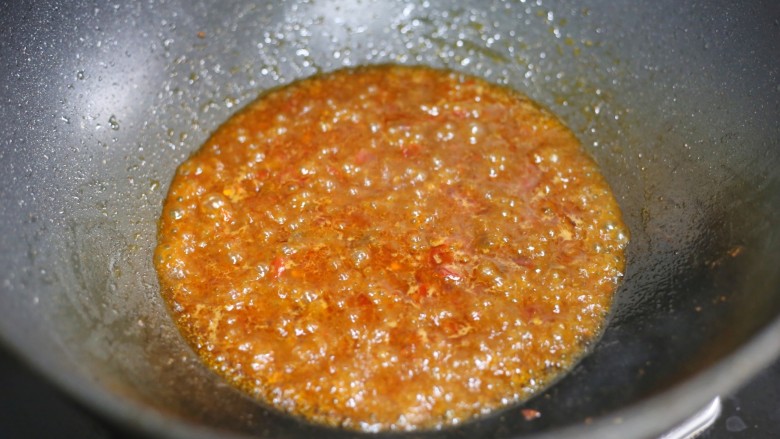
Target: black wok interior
678,101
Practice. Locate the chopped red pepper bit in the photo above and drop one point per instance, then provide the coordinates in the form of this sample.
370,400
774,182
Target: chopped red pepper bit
449,273
531,414
277,266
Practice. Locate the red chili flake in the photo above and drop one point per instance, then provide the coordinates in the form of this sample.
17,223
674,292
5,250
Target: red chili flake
523,261
277,266
364,156
531,414
410,150
336,172
736,251
460,112
363,300
261,174
423,290
449,273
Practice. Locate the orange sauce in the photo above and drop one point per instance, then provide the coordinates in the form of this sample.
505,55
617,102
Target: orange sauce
390,248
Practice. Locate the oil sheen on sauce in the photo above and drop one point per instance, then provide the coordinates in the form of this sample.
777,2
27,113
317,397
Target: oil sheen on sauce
390,248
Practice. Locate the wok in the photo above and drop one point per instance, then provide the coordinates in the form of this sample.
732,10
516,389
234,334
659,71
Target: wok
676,100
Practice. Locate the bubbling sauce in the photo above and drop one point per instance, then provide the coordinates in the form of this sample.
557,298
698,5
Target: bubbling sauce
390,248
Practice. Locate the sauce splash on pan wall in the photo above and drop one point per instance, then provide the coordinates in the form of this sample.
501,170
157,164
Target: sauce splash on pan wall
390,248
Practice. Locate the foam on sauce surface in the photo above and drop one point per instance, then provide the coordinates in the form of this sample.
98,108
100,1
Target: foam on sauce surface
390,248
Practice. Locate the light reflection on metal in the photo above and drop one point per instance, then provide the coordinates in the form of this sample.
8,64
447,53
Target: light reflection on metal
698,423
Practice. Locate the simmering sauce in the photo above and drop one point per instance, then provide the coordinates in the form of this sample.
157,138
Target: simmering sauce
390,248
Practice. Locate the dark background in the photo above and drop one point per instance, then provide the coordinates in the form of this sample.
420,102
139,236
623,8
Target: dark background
32,408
